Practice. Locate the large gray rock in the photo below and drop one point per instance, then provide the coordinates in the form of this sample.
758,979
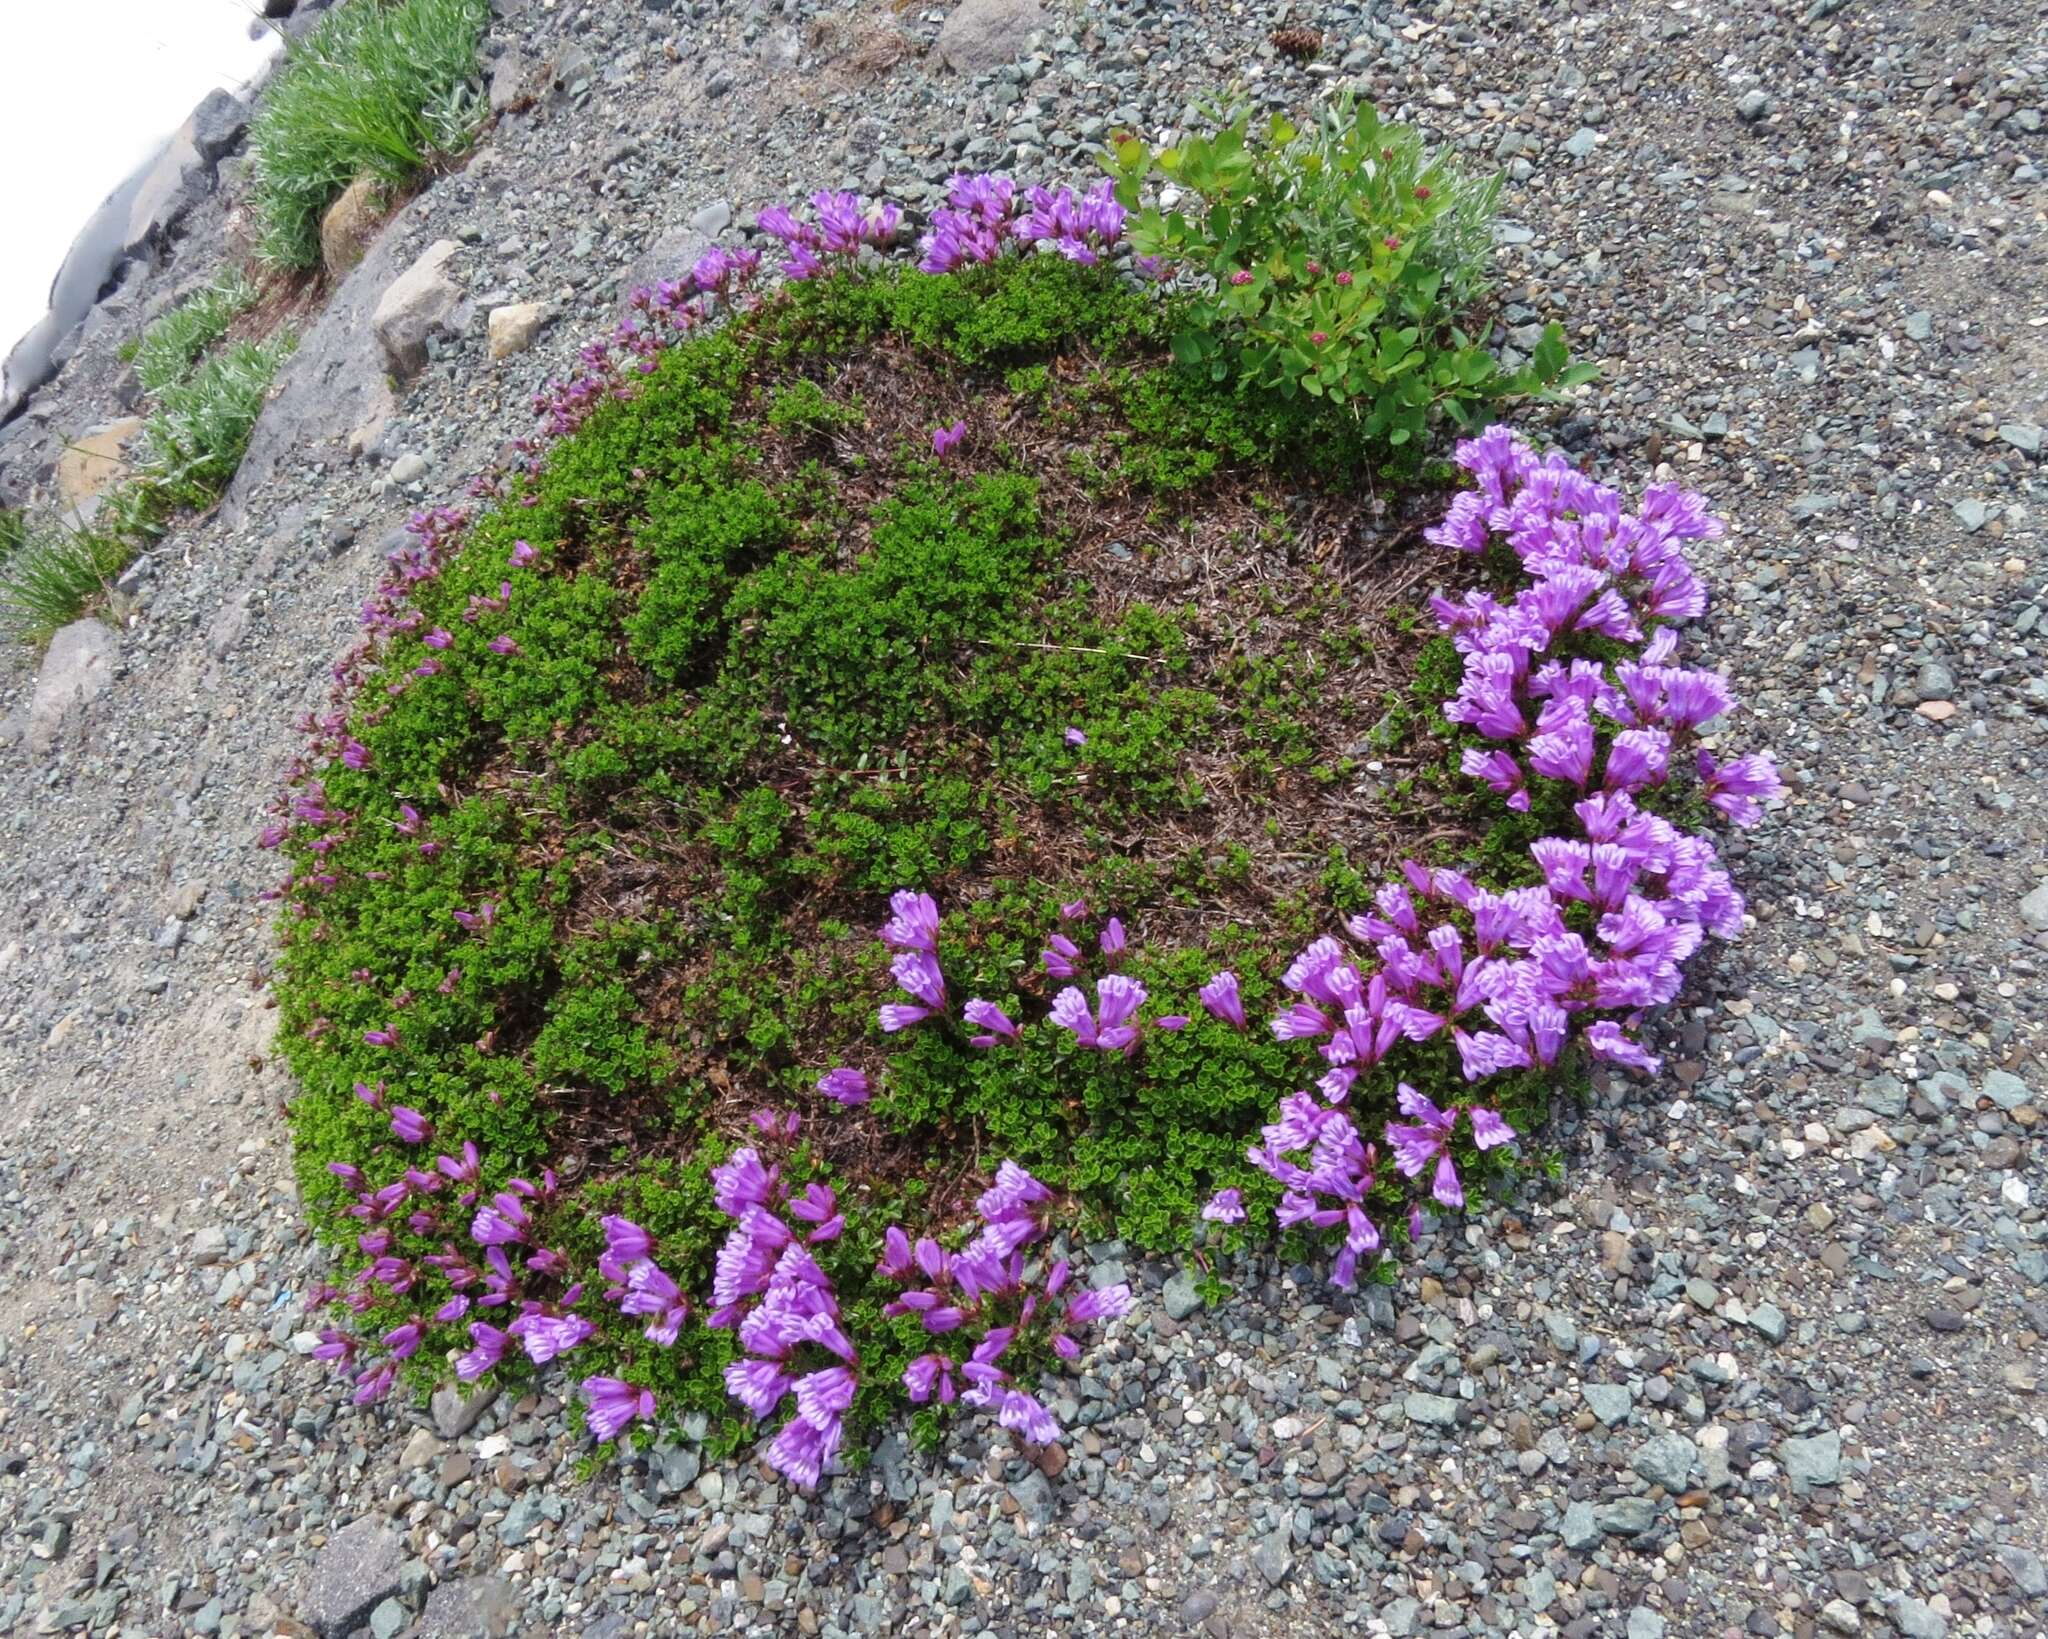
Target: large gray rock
2034,908
76,671
418,304
985,34
217,124
357,1570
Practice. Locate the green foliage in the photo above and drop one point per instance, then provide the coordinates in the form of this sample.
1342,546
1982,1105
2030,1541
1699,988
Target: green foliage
164,354
198,427
773,660
377,89
1342,257
50,575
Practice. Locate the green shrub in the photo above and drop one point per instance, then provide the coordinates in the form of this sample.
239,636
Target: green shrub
738,661
1340,260
379,90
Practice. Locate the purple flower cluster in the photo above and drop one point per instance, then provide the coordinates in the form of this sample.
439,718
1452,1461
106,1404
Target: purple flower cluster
1593,570
1506,976
769,1286
988,1295
844,224
984,213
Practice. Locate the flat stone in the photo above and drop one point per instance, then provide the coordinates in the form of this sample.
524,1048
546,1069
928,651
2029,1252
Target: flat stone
1179,1298
1272,1559
355,1572
455,1413
1436,1410
511,329
1579,1529
1626,1516
1769,1320
2034,908
1035,1499
1815,1461
1665,1460
2006,1090
1916,1619
2023,436
1611,1402
473,1607
985,34
77,669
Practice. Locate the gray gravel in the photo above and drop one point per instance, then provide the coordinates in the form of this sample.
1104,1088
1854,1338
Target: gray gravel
1767,1362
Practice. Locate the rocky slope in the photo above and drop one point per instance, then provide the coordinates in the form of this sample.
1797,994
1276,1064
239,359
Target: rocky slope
1766,1361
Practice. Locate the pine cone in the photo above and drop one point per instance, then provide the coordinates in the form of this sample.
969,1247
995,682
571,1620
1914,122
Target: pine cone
1303,43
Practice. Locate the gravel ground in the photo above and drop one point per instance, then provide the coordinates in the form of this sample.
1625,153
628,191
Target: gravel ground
1765,1362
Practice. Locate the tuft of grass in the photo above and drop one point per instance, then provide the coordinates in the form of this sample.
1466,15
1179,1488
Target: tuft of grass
194,437
377,89
204,403
49,576
163,355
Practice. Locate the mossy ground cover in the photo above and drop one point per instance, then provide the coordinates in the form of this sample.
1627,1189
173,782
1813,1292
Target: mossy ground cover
627,801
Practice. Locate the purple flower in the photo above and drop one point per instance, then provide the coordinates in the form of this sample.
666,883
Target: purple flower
1106,1029
946,439
1075,737
992,1021
487,1348
1220,996
913,923
409,1126
1226,1206
917,974
403,1341
1113,938
502,644
613,1404
1738,789
522,554
759,1385
1059,956
894,1016
1023,1415
844,1086
654,1296
1488,1129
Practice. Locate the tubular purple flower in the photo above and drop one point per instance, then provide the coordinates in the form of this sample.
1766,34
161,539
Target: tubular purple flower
409,1126
844,1086
759,1385
1223,1000
487,1348
946,439
613,1404
991,1020
1738,789
1226,1206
